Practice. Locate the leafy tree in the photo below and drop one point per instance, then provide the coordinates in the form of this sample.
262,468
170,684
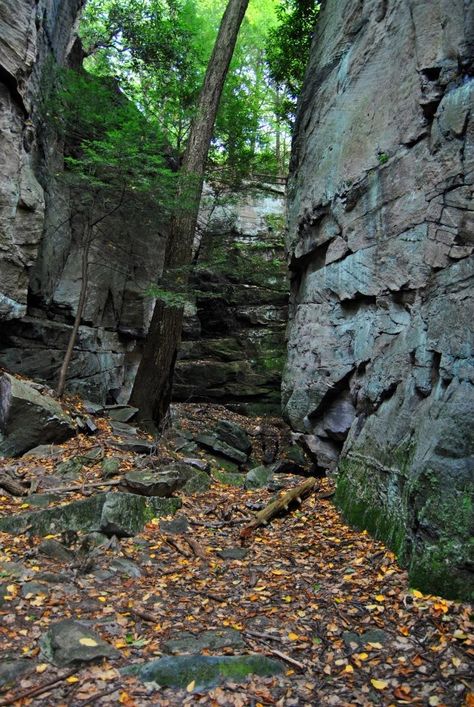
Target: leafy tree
288,46
152,388
115,161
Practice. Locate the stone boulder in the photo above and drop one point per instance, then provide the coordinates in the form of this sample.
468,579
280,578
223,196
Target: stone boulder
120,514
29,418
69,642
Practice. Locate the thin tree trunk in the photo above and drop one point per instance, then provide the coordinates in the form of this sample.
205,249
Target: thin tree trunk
151,392
77,320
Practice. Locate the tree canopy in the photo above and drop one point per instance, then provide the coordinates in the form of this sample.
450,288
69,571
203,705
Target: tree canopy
157,50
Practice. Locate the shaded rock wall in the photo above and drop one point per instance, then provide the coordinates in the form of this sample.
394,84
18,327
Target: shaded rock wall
41,227
380,364
234,337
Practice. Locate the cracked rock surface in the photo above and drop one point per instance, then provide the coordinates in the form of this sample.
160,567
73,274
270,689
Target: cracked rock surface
380,372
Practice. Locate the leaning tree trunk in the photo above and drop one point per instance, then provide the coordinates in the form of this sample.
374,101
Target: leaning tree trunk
151,392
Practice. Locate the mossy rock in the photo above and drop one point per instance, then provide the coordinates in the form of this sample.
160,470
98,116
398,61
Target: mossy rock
229,478
121,514
204,671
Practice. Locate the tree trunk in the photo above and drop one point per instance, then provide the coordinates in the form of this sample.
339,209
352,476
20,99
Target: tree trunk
151,392
77,320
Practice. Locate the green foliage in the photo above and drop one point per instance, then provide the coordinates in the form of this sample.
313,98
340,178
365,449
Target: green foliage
158,51
288,48
111,147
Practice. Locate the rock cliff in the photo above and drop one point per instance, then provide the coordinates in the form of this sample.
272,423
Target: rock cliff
234,338
41,228
380,367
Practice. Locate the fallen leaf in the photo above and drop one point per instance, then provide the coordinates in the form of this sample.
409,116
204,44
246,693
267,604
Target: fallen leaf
191,686
88,642
379,684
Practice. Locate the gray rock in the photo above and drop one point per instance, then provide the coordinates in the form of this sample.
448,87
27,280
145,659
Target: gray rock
12,670
110,467
69,642
373,635
136,445
120,514
42,500
176,526
29,418
379,375
205,671
229,478
32,588
70,469
43,451
259,477
206,640
122,566
233,435
233,553
153,483
201,464
121,413
55,551
212,442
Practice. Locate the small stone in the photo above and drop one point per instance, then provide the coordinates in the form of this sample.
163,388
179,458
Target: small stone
233,435
152,483
259,477
122,566
121,413
212,442
177,526
68,642
12,670
200,464
110,467
70,469
55,551
207,640
34,588
233,553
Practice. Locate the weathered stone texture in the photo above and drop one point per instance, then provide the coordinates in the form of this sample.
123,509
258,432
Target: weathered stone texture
381,220
41,227
233,345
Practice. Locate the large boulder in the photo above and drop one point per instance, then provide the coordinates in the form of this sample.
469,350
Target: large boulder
29,418
380,369
120,514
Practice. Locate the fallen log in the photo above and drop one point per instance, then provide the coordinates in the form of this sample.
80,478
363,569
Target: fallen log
280,505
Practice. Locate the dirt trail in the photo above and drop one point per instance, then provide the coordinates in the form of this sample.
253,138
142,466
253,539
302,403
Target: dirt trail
327,601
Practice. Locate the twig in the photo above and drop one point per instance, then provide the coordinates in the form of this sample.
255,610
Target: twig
142,614
92,484
39,690
287,658
92,700
195,547
178,548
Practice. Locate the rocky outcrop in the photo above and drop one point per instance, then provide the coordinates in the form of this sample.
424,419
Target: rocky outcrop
41,227
233,344
380,367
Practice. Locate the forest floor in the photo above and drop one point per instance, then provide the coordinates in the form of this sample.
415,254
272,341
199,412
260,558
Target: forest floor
325,600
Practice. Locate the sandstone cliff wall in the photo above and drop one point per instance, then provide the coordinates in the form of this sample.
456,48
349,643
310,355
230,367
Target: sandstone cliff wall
41,233
234,337
380,366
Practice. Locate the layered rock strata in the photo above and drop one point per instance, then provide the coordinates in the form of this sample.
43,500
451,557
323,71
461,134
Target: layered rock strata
233,345
380,365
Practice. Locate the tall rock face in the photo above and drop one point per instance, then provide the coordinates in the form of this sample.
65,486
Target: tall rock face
41,227
380,367
31,34
233,344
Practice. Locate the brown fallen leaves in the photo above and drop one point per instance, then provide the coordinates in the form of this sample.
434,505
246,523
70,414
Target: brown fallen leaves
329,601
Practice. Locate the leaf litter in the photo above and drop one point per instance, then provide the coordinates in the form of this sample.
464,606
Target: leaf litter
327,600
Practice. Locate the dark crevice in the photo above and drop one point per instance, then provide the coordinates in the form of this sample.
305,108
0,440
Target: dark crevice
11,83
359,300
